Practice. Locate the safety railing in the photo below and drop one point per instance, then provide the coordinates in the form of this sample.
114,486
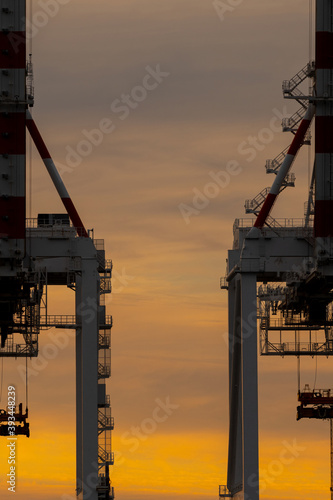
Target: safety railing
99,244
104,340
251,206
66,320
223,283
33,223
296,348
272,166
105,457
306,72
224,492
105,421
289,124
284,223
103,371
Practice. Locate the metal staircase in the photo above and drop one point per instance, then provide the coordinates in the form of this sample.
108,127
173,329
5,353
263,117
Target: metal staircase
289,87
289,124
105,421
272,166
253,206
104,456
290,90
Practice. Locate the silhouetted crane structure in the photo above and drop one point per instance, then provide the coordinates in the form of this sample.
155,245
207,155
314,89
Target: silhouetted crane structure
280,271
53,249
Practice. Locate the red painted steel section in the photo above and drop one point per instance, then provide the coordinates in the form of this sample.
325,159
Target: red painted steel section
323,222
38,140
12,133
324,131
12,50
299,137
324,50
323,218
313,398
75,218
265,210
320,413
293,149
12,217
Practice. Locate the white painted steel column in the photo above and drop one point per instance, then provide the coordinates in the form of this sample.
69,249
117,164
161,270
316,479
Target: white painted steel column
250,387
235,453
87,300
78,364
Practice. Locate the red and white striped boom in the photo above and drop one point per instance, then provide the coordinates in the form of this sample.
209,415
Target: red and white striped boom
285,167
54,174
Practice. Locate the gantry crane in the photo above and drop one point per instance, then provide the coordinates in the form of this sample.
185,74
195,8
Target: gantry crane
281,271
54,249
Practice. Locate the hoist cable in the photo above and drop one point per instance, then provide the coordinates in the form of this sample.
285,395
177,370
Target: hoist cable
26,382
1,379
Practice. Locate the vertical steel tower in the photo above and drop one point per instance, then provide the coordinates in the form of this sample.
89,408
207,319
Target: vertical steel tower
323,222
12,155
281,271
54,249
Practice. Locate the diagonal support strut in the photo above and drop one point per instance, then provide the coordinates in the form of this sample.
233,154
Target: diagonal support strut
54,174
285,167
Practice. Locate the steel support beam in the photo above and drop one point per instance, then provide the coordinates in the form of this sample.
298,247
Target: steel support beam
250,386
57,253
243,388
87,305
254,258
235,462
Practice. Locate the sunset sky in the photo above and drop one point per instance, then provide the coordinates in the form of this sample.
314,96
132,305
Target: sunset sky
218,86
